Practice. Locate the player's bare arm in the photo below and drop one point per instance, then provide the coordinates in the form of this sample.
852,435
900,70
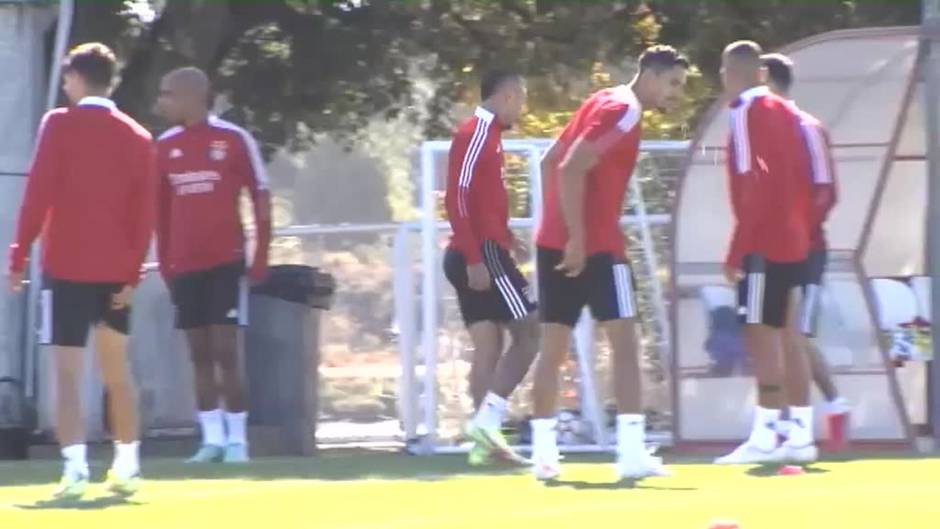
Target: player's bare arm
572,174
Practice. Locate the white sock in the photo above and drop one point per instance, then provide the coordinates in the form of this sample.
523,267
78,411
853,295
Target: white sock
631,433
76,459
126,458
545,438
235,422
764,433
490,414
801,433
213,431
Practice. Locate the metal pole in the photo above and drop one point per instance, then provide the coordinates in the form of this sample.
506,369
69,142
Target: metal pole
931,32
429,294
30,370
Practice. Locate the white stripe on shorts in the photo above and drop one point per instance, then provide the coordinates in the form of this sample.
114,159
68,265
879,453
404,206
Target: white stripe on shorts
243,301
755,297
45,318
501,279
626,307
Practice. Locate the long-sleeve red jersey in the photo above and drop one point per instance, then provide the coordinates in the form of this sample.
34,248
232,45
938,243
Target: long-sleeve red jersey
202,170
822,177
91,193
476,200
770,193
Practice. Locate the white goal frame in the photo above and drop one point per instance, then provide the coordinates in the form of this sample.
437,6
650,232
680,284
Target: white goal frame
417,408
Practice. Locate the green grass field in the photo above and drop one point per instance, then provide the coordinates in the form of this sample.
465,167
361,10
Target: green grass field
385,491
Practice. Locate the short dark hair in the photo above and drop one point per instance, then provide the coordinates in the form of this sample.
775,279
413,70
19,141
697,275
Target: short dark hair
744,49
94,62
494,79
661,57
779,70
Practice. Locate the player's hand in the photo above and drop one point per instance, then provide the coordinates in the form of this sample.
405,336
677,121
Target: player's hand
574,258
15,281
732,274
478,277
257,274
122,299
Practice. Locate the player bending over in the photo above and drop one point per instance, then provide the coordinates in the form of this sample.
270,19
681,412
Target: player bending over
203,164
90,192
825,189
582,257
493,294
770,196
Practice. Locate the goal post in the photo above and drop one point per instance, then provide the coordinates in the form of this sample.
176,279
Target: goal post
429,417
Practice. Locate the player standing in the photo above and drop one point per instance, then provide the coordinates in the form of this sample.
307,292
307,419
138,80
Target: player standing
492,292
825,189
770,198
203,164
90,192
581,253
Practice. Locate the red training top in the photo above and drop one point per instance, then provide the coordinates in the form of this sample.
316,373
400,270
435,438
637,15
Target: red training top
611,120
770,193
822,175
202,170
91,193
476,200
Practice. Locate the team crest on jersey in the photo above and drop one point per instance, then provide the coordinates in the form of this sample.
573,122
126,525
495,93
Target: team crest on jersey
218,150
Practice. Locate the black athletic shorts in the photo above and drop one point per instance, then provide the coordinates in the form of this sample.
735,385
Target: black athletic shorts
509,297
812,288
68,310
217,296
764,292
606,286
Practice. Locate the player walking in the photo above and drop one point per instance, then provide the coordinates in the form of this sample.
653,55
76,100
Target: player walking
493,294
91,193
203,164
770,197
581,253
825,190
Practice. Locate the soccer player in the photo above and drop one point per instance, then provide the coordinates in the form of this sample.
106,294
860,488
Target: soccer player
823,178
770,199
582,255
203,164
493,294
90,192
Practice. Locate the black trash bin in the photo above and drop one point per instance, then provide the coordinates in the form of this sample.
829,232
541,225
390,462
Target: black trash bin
282,356
17,420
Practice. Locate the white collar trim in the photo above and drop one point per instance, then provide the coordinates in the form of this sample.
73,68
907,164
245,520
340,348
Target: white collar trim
754,92
484,114
96,101
626,95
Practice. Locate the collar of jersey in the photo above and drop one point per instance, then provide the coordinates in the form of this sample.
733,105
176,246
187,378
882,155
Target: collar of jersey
750,94
625,94
485,115
96,101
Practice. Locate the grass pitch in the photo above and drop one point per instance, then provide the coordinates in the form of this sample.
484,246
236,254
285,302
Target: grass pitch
385,491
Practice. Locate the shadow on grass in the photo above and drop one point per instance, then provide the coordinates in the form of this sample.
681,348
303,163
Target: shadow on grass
772,471
624,484
324,467
97,504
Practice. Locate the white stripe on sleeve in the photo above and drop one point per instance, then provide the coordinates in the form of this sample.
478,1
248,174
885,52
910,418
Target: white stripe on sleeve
741,139
251,146
469,163
816,145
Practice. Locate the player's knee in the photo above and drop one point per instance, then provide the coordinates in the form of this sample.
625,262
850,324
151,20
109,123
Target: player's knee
526,330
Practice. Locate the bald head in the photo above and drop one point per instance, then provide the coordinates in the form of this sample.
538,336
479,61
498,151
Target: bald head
741,66
184,96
